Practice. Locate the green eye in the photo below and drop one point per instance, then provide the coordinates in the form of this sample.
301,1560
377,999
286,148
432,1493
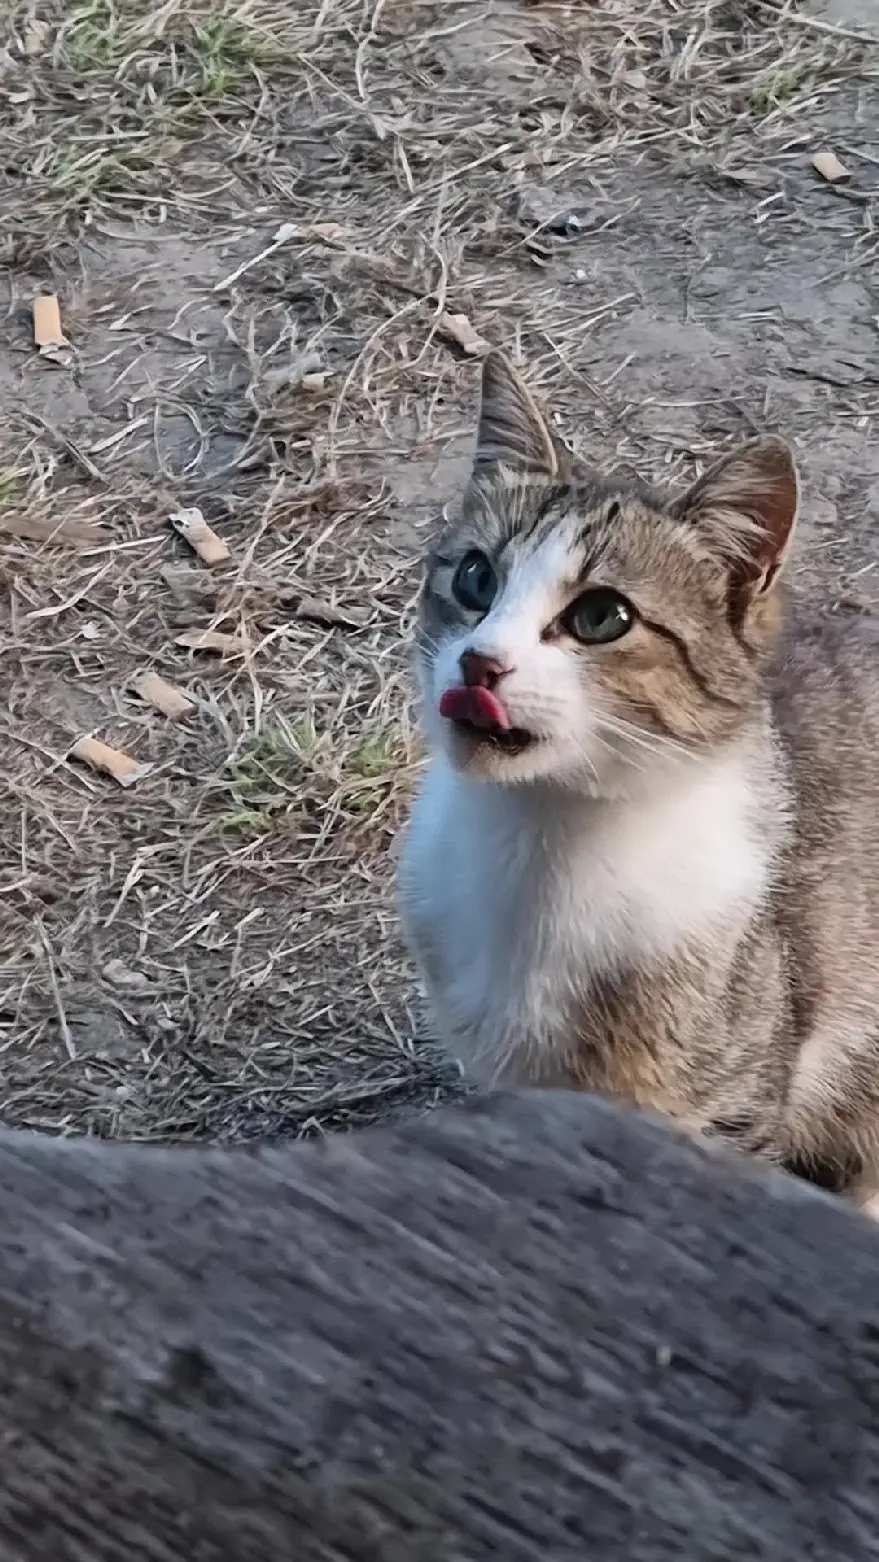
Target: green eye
475,583
599,616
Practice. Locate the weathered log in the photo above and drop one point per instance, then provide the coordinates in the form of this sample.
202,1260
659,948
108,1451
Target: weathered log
528,1328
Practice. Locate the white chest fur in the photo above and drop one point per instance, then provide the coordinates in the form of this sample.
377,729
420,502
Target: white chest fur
513,905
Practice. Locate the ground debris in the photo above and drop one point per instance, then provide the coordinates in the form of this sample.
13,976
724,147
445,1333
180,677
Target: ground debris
48,335
828,165
109,761
461,330
163,696
50,528
222,641
191,525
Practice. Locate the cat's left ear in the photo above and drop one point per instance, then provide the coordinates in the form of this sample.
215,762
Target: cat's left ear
746,509
512,430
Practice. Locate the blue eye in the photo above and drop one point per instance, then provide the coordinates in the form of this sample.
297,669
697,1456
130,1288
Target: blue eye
474,583
599,616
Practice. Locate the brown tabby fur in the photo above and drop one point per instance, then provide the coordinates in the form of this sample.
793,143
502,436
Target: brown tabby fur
765,1029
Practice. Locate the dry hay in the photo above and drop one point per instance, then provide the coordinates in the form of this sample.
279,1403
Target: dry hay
213,951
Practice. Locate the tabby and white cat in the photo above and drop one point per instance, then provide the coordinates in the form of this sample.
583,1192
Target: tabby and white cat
645,858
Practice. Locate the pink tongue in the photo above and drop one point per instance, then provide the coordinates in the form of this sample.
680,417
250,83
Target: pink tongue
475,705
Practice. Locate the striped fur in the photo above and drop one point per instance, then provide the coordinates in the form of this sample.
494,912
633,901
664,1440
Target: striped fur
670,894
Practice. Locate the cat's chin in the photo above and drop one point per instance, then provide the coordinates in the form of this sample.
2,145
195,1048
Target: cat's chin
505,757
522,761
539,763
506,742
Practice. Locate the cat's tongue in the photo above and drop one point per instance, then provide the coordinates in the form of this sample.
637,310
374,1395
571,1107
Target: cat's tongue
477,705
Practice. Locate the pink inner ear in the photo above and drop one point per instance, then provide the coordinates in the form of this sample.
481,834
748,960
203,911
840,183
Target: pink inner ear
769,575
777,509
747,504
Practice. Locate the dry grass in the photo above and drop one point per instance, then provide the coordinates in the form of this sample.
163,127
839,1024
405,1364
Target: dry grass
213,951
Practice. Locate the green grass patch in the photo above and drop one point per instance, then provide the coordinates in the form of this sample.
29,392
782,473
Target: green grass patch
264,777
779,89
223,54
13,487
286,771
90,39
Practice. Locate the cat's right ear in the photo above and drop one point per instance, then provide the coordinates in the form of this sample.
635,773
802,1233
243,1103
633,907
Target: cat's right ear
512,430
746,509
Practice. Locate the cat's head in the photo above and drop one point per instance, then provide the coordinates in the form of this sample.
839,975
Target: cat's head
589,632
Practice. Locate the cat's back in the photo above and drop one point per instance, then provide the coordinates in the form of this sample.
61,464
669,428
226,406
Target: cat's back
825,699
825,702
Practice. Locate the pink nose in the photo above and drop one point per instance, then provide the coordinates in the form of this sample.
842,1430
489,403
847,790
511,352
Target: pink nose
481,672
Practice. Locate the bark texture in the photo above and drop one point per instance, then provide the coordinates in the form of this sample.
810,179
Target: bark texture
530,1328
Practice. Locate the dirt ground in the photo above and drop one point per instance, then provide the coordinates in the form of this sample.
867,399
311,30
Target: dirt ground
259,219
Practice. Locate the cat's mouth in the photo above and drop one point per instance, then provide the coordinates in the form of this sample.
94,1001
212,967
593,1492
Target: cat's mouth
510,740
480,716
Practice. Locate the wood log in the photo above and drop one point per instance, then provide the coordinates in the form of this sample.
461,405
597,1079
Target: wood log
527,1328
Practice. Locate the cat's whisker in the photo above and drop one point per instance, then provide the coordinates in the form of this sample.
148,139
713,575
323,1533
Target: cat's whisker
655,742
694,721
591,766
608,718
656,745
614,753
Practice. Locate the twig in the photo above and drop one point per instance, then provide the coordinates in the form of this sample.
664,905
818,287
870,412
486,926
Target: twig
56,993
816,24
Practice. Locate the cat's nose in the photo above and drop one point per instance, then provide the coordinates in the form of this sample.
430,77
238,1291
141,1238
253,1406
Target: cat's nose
482,672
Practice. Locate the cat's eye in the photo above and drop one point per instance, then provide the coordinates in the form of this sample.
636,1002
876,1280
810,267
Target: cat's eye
474,583
599,616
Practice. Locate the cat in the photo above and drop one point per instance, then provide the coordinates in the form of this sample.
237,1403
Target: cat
644,860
